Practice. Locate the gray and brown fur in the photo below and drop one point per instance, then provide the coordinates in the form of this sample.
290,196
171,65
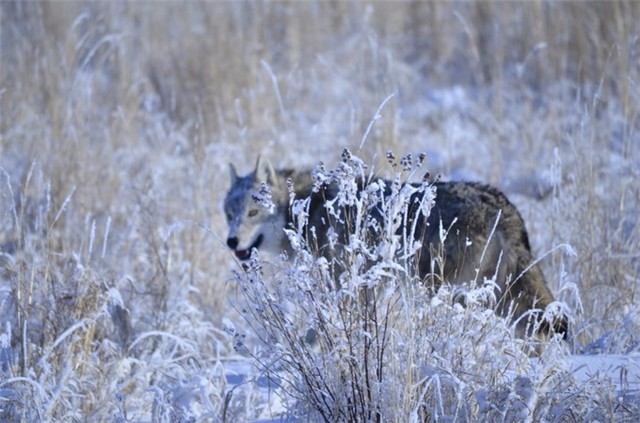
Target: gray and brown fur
467,209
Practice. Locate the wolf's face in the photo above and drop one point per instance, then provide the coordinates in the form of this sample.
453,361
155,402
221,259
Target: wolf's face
252,225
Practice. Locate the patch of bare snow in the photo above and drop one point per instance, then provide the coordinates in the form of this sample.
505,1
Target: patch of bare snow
623,370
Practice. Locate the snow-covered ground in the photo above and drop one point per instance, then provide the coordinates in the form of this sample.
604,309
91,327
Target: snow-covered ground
622,369
618,373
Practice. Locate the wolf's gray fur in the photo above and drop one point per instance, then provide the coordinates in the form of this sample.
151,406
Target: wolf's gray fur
476,245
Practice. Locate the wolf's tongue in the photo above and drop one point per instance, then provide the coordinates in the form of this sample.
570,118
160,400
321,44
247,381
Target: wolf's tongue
243,254
246,254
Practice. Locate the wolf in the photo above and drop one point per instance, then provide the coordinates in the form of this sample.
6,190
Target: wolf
486,235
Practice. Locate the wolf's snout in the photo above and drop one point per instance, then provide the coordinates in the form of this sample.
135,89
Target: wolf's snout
232,242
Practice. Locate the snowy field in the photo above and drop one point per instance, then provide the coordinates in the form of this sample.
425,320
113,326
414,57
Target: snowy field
119,300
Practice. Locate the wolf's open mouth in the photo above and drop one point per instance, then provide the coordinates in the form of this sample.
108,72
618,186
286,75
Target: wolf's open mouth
246,254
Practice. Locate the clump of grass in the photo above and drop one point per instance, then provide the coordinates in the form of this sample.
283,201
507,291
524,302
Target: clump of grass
77,343
357,336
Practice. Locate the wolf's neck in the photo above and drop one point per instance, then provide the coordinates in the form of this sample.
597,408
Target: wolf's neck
302,182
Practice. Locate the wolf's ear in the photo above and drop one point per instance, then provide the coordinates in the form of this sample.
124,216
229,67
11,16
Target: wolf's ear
264,171
233,174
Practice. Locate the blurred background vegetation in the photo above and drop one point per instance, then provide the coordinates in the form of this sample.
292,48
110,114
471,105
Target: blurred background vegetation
118,120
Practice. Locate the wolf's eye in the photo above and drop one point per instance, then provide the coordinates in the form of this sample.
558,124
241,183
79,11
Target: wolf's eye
252,213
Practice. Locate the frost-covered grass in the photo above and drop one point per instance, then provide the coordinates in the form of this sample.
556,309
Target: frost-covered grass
356,336
118,297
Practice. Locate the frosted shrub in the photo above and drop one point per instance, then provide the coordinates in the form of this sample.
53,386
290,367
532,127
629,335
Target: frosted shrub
353,334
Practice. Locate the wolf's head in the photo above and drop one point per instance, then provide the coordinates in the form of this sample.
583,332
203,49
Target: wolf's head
252,224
